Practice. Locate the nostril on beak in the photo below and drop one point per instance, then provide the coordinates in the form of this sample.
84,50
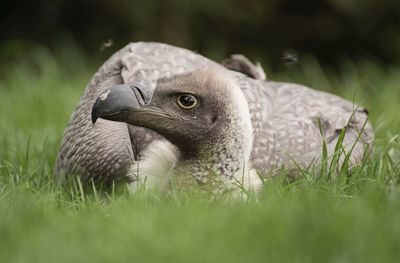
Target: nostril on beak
143,91
139,94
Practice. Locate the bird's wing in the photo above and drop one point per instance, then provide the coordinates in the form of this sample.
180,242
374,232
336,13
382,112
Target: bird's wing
296,116
106,150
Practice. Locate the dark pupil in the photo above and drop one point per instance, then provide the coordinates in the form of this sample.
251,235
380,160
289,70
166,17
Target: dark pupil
187,101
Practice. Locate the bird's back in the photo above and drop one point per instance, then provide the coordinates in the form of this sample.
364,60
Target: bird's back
291,122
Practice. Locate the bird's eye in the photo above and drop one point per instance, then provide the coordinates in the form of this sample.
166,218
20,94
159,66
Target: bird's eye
186,101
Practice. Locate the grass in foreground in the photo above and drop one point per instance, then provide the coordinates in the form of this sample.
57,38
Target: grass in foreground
352,218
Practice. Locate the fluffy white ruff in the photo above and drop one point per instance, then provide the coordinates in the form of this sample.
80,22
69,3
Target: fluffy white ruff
154,170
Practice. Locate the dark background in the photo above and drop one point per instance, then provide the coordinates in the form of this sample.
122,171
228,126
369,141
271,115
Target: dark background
263,30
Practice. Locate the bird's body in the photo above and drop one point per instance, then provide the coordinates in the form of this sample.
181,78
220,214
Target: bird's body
279,123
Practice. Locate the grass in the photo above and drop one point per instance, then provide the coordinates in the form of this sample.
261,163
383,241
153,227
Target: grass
351,218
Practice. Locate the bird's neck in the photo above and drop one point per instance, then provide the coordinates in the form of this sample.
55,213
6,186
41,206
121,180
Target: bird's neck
223,158
216,166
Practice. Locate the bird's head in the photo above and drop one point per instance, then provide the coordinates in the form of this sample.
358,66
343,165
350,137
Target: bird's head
194,111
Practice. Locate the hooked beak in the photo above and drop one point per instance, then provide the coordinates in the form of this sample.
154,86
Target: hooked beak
119,101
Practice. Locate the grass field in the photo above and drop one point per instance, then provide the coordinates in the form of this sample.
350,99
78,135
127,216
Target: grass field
352,218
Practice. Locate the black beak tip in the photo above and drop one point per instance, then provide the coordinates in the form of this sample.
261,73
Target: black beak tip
94,118
95,114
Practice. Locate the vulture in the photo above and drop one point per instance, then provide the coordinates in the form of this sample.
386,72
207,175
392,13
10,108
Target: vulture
161,116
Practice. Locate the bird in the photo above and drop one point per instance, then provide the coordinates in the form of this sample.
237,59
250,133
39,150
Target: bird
159,115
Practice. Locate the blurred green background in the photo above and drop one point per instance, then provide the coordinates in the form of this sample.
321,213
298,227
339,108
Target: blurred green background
329,30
